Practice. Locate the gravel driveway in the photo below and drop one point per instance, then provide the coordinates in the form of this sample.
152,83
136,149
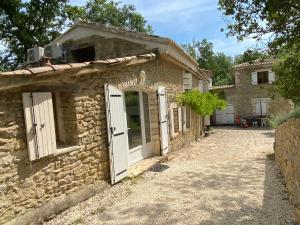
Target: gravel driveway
227,178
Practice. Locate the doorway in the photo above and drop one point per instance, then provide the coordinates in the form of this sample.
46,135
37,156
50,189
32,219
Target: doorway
138,123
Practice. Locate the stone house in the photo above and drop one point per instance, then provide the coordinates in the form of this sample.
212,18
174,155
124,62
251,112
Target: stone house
253,94
106,102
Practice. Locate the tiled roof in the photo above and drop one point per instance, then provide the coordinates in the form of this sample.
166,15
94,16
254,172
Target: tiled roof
62,67
222,87
257,62
130,33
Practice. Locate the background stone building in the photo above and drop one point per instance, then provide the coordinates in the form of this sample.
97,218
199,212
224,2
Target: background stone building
253,94
67,130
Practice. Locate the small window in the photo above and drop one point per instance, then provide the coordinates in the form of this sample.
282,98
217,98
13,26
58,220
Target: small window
84,54
262,77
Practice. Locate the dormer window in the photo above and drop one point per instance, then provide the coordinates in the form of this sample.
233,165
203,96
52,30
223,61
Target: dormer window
86,54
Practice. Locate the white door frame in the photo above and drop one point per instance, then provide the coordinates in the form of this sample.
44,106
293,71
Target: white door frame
145,148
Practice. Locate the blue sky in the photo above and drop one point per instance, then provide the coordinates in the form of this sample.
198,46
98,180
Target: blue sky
188,20
185,21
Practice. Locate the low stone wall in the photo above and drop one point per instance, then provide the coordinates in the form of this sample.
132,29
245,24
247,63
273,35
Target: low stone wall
287,154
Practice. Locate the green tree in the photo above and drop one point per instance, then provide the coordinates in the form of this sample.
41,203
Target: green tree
110,13
277,18
218,63
249,55
28,23
25,24
287,70
221,66
205,49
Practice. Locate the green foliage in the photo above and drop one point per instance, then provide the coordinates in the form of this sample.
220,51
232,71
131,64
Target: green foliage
258,18
249,56
218,63
28,23
280,119
221,66
25,24
204,104
287,70
110,13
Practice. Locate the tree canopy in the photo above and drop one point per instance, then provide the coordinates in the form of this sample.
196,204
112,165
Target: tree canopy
28,23
218,63
25,24
110,13
249,55
287,69
252,18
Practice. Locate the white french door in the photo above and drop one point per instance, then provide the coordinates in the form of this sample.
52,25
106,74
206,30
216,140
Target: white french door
138,123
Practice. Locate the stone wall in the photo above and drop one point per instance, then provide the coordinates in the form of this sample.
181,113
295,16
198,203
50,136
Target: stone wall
287,155
105,48
25,185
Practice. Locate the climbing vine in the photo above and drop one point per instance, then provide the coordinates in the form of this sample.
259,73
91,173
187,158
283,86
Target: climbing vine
204,104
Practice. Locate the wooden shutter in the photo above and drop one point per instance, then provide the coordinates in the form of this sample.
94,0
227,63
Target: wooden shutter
163,120
201,89
39,121
183,116
187,81
264,107
258,107
117,133
254,78
271,76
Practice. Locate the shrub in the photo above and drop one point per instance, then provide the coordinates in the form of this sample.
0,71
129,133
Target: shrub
280,119
204,104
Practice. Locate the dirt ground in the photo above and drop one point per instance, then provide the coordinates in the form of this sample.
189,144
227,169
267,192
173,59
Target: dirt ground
228,178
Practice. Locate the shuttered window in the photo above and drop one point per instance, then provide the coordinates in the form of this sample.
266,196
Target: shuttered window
187,81
201,86
39,120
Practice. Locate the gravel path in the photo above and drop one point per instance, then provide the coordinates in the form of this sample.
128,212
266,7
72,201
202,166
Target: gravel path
228,178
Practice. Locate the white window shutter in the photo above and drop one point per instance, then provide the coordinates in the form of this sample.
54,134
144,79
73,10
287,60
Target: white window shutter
254,78
258,108
183,116
163,120
180,118
39,121
117,133
187,81
201,89
271,76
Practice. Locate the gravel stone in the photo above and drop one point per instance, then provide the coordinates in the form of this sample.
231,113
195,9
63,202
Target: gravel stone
228,178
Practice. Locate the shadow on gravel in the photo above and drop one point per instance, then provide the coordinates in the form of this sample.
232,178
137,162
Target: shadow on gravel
235,190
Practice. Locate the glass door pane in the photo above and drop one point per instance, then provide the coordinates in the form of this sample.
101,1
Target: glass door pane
146,117
132,102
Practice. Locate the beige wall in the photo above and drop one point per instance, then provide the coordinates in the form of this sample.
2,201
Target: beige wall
27,185
287,155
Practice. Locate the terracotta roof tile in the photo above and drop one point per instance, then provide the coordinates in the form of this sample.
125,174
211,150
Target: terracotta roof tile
257,62
61,67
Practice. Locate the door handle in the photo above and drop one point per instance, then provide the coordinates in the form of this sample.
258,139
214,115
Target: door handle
42,125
